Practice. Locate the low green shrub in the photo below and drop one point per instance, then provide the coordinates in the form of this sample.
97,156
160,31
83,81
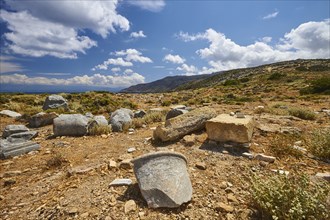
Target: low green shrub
98,130
276,76
302,113
319,143
290,197
282,146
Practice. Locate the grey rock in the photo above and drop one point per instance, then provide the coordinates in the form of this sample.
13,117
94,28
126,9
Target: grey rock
131,149
22,136
139,114
175,112
12,129
121,119
70,125
42,119
121,182
182,125
89,115
163,179
11,114
54,102
11,149
96,121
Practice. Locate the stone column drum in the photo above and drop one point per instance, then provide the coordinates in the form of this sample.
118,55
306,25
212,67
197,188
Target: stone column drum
163,179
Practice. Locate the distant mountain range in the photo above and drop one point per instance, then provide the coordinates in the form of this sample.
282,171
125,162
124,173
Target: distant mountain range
166,84
176,83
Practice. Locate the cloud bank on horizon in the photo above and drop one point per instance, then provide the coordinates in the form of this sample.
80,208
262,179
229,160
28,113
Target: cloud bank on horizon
69,30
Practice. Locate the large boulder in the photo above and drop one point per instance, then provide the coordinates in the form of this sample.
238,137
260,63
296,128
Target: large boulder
70,125
11,114
97,121
182,125
11,149
42,119
175,112
55,101
12,129
163,179
226,128
121,119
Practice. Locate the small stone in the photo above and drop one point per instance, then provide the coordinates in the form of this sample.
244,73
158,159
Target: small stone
223,185
281,172
131,129
108,218
130,206
232,198
232,113
224,207
72,211
201,165
262,157
125,157
121,182
112,164
225,152
131,149
125,164
104,136
2,197
189,140
131,132
142,215
247,155
325,176
84,215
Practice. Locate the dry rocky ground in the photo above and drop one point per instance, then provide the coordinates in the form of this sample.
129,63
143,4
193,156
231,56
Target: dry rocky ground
69,177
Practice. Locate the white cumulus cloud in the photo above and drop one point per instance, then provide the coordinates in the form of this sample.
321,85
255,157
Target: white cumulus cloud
174,59
138,34
117,62
150,5
33,37
41,28
110,81
309,40
188,70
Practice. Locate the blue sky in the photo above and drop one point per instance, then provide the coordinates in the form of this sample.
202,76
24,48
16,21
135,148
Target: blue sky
84,45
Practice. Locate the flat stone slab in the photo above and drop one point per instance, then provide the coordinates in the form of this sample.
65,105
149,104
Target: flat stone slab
163,179
12,129
226,128
22,136
11,149
11,114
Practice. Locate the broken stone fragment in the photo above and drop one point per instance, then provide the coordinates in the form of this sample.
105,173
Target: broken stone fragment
121,182
13,129
11,114
130,206
22,136
225,128
163,179
265,158
11,149
42,119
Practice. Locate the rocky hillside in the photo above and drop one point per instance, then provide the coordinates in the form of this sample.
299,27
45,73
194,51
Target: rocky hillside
177,83
163,85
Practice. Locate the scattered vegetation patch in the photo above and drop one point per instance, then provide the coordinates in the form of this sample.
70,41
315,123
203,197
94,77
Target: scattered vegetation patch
319,143
321,85
276,76
290,197
302,113
166,103
155,117
100,129
138,122
282,146
56,161
231,82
